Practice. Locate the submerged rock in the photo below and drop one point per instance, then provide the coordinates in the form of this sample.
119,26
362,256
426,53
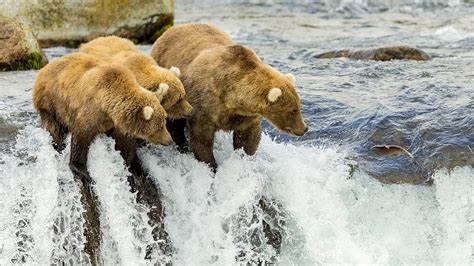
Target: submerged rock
92,232
19,49
69,23
401,52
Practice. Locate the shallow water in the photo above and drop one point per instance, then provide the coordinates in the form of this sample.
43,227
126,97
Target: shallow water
329,189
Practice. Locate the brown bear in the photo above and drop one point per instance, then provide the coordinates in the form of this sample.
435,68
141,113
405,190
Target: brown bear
230,89
149,75
80,94
147,72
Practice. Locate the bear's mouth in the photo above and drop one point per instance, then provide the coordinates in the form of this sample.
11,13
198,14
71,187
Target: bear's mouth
292,132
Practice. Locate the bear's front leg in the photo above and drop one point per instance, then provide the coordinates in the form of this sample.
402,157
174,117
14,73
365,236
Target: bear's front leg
248,138
57,131
80,143
176,128
202,144
125,145
128,149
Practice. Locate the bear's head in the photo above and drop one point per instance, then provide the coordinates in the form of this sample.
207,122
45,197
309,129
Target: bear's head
152,117
282,108
134,111
174,101
152,77
259,88
152,125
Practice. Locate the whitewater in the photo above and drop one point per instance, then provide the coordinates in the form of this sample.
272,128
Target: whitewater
327,215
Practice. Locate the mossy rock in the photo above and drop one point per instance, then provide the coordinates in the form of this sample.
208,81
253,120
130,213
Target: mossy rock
19,50
161,31
66,23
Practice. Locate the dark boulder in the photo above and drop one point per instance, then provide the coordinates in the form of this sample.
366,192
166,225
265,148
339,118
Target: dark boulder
401,52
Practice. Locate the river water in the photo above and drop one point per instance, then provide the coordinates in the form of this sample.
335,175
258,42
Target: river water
335,200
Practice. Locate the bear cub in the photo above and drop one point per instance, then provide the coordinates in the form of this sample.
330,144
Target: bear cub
80,94
147,72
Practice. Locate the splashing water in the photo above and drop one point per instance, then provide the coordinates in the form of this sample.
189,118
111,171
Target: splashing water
327,215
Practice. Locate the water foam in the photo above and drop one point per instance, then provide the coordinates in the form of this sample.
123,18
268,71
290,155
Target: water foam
124,223
326,215
28,191
455,194
451,33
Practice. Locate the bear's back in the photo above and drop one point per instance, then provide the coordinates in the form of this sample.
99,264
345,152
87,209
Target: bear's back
55,81
76,79
106,47
179,45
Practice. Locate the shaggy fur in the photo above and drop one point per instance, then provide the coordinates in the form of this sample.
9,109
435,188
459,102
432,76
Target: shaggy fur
229,87
79,94
107,47
149,75
147,72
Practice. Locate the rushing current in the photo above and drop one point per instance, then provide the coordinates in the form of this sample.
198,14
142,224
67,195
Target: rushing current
334,200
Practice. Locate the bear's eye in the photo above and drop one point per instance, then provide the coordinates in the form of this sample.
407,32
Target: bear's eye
294,112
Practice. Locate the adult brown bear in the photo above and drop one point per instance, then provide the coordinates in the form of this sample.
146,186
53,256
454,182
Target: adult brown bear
229,87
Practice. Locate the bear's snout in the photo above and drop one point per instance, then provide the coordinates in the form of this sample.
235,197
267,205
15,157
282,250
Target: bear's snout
162,137
181,110
165,138
297,132
300,133
188,110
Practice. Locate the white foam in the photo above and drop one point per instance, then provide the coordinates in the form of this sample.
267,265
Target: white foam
328,217
123,221
451,33
339,220
28,190
455,194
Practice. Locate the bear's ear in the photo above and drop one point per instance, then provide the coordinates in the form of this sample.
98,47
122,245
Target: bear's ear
147,112
163,88
273,94
176,71
291,78
162,91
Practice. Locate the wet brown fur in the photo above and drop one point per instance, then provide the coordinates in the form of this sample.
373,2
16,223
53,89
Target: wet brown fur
79,94
107,47
401,52
227,84
148,74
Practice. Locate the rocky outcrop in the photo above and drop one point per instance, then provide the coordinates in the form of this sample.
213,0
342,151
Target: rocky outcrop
69,23
401,52
19,49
